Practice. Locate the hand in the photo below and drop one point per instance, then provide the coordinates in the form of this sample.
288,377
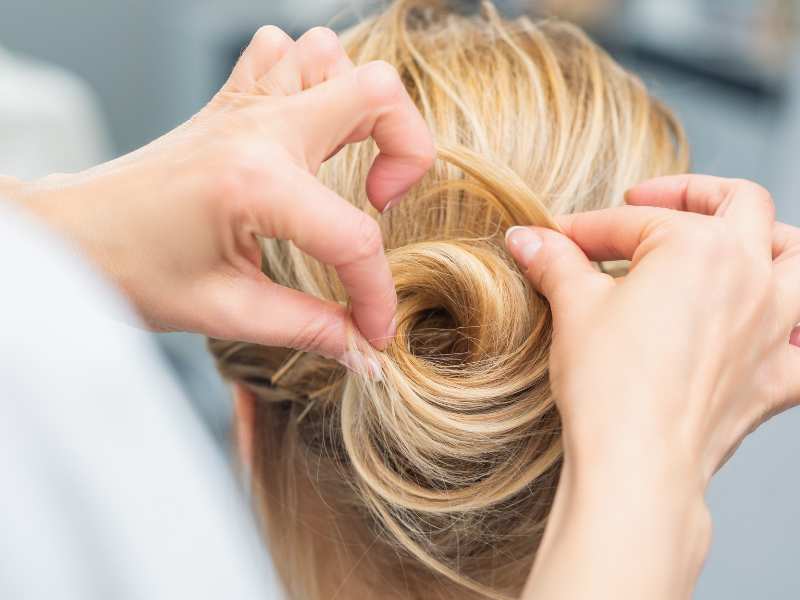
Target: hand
659,375
174,223
700,326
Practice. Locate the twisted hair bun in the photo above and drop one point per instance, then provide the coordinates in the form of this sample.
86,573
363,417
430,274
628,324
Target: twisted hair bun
463,424
436,481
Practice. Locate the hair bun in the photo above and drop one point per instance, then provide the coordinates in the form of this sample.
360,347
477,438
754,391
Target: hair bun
463,419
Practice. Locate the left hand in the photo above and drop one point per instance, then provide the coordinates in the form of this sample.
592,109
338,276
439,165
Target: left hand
174,223
704,324
659,375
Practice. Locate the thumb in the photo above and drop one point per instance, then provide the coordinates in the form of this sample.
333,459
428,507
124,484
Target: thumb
558,269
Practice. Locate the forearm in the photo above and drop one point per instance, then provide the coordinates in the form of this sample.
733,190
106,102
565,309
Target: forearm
622,531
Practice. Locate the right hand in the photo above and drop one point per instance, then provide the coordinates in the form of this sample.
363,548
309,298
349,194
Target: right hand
693,349
176,223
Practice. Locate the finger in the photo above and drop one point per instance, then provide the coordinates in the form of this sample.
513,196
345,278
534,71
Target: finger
268,46
785,242
316,57
709,195
747,205
665,192
327,227
613,233
787,280
261,312
556,267
371,101
786,255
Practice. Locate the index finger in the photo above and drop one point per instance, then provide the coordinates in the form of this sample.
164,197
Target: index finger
612,233
704,194
371,101
745,204
326,226
268,46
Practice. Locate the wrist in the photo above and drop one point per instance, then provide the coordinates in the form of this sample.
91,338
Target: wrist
58,200
644,494
652,485
41,196
622,530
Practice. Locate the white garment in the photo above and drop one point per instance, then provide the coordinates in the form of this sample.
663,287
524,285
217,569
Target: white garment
109,486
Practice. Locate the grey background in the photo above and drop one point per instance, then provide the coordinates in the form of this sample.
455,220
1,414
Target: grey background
152,63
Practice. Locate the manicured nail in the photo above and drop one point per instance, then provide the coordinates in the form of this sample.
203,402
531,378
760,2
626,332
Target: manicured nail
362,365
394,201
523,244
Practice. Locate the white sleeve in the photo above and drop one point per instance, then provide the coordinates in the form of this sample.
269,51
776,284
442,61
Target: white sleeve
109,485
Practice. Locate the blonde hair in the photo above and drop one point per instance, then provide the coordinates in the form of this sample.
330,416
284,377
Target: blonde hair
437,481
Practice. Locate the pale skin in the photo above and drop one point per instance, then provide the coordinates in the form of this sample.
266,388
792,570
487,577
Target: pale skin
658,377
717,282
174,222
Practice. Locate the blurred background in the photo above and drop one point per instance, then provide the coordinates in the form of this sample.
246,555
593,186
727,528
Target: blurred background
82,81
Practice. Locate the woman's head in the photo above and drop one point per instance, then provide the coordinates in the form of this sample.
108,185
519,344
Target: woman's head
436,481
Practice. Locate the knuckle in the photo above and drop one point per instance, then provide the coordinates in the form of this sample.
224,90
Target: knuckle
706,245
368,238
757,194
322,41
379,82
239,169
746,185
321,332
662,224
423,158
788,252
708,238
269,36
718,250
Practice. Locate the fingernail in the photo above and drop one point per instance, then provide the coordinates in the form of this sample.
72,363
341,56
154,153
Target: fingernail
523,244
392,328
362,365
391,203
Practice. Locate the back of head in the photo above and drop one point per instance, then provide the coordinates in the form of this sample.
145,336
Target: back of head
436,482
